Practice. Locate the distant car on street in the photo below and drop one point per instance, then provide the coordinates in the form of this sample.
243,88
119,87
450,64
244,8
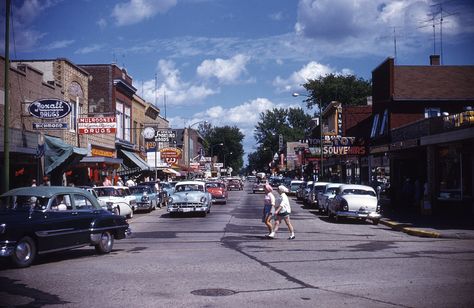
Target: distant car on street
146,198
218,191
294,185
42,219
190,197
119,199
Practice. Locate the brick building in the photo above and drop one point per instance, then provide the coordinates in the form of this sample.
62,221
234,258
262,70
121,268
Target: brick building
430,164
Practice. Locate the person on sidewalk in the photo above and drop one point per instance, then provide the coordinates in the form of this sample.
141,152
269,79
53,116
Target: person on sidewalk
283,210
268,207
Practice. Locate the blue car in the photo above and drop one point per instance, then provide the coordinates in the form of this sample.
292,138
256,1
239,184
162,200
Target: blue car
146,197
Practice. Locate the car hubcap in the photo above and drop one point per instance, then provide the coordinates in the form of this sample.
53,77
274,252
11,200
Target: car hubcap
106,240
23,251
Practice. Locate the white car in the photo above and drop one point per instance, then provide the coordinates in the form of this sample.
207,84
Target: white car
355,201
118,199
325,195
190,197
294,185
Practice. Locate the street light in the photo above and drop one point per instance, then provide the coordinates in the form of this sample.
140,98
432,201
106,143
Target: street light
226,154
320,130
213,146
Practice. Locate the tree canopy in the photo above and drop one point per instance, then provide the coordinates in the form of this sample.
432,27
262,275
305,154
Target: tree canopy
291,124
225,143
349,90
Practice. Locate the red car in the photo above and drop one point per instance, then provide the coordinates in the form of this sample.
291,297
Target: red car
218,191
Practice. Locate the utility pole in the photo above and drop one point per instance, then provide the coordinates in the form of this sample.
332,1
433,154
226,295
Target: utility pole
6,117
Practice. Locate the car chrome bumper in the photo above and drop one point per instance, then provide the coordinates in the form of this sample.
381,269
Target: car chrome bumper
369,215
187,209
6,248
143,205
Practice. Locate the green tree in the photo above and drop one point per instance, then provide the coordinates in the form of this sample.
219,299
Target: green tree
292,124
231,150
349,90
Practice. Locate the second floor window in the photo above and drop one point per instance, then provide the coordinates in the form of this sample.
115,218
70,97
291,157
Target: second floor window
119,114
127,123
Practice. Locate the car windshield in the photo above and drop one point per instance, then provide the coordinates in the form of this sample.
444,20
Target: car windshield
22,203
319,188
331,190
354,191
189,187
139,189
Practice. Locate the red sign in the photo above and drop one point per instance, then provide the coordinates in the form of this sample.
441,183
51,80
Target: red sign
98,125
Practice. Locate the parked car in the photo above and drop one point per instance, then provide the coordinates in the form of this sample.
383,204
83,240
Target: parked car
218,191
325,195
294,185
168,187
158,187
190,197
317,188
300,191
119,199
306,191
235,184
355,201
42,219
145,197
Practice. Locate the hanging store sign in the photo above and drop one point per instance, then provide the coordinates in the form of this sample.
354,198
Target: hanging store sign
98,125
53,125
164,135
170,155
49,108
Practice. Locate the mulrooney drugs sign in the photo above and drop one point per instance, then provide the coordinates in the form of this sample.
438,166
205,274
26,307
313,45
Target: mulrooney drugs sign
99,125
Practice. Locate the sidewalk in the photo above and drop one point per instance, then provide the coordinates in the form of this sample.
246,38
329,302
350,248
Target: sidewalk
460,227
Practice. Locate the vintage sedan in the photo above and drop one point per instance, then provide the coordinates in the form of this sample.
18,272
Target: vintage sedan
218,191
190,197
294,185
355,201
258,187
119,199
146,198
235,184
327,194
38,220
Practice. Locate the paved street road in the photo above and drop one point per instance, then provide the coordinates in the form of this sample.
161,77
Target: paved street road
223,260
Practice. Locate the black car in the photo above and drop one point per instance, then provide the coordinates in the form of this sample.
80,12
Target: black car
38,220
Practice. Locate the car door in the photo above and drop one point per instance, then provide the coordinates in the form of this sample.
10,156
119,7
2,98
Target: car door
86,212
59,227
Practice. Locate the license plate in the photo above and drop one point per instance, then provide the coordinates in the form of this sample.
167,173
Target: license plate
185,210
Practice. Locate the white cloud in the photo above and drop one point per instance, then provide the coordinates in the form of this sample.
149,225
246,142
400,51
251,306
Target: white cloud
102,23
59,44
276,16
89,49
177,91
135,11
226,71
312,70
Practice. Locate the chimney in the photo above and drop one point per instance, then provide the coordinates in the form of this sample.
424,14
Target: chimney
434,60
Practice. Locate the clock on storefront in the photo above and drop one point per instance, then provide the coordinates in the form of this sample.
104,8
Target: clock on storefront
149,133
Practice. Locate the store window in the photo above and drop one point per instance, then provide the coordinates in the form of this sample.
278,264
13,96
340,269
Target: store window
119,114
127,123
450,175
375,125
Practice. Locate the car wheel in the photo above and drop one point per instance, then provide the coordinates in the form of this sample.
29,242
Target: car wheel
24,252
106,243
375,222
130,215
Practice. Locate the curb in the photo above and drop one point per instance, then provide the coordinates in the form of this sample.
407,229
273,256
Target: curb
406,228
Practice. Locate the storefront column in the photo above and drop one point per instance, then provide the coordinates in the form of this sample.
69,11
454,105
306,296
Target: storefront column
429,195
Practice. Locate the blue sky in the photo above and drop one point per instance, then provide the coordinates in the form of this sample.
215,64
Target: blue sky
226,61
